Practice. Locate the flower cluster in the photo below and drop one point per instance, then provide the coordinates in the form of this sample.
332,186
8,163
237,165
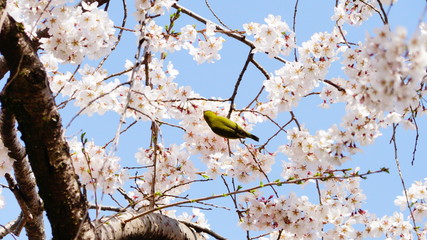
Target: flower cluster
301,219
174,172
197,217
417,196
91,93
248,164
274,38
96,169
76,33
32,13
157,97
339,215
146,8
394,227
385,82
245,164
159,41
386,72
355,12
311,154
297,79
207,51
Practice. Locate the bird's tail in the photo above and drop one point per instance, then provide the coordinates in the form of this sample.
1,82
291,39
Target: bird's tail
254,137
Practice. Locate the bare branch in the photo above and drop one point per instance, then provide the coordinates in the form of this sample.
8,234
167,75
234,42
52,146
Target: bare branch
219,20
203,229
399,170
239,80
119,36
294,28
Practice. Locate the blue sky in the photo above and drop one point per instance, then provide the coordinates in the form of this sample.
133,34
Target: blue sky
218,79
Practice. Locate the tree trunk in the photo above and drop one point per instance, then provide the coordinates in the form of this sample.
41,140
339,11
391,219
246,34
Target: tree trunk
27,96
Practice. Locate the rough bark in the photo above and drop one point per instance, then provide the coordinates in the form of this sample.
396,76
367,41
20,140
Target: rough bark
27,96
23,175
149,227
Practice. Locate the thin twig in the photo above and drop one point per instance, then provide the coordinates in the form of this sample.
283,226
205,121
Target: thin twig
119,36
339,88
416,137
318,192
124,130
93,101
259,166
267,77
202,203
376,10
281,128
69,80
383,11
294,28
219,20
399,170
232,196
295,120
239,80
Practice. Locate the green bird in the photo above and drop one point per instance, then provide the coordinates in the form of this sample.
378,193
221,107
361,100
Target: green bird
224,127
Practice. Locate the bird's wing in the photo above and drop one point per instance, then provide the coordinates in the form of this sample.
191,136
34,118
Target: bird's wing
226,128
234,127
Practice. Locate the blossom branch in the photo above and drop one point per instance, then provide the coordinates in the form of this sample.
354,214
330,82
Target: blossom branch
233,34
93,101
327,175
